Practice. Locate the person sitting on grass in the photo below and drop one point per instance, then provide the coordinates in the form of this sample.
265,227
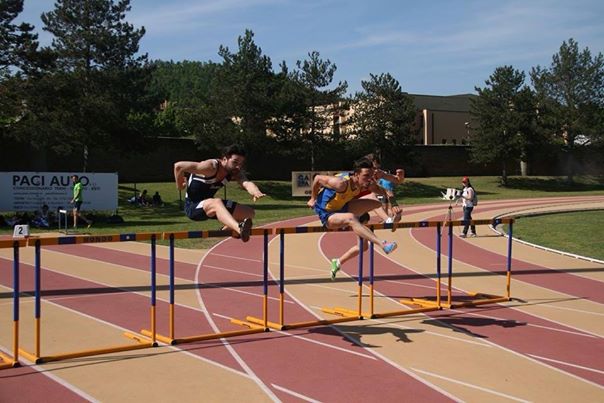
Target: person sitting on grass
157,201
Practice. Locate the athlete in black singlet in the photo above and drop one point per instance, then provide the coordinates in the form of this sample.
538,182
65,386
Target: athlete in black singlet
205,178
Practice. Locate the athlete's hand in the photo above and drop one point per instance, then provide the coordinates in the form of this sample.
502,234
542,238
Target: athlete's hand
311,202
257,196
181,184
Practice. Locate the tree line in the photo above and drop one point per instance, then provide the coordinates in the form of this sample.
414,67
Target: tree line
91,87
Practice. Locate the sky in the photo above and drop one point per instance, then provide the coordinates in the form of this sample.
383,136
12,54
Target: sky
433,47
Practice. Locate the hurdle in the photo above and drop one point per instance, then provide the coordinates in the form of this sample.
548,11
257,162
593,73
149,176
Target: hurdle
345,315
252,328
475,298
64,230
5,360
141,342
419,307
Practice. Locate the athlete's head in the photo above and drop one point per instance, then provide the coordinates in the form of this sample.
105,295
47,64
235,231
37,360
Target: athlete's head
363,172
375,160
233,158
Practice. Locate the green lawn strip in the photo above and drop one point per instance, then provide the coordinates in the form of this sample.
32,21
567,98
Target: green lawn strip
280,205
581,233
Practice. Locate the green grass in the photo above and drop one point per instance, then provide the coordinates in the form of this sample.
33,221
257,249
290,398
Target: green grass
579,232
279,204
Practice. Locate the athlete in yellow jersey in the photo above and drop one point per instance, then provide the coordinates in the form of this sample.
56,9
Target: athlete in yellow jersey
334,199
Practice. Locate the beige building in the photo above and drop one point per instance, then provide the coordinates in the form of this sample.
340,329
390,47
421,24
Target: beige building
441,120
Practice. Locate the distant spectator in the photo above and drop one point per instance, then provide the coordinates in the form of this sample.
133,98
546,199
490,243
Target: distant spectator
18,219
157,201
143,198
41,218
77,201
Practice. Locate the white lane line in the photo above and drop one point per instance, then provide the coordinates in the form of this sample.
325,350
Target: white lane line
233,271
225,341
564,331
382,357
242,292
46,372
123,329
320,343
577,333
122,290
469,385
572,309
410,284
274,263
567,363
481,344
235,257
295,394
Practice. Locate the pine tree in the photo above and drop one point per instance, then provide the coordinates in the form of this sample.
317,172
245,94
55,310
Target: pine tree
571,98
503,118
383,117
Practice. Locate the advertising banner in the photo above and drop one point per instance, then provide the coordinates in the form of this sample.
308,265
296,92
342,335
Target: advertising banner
302,181
28,191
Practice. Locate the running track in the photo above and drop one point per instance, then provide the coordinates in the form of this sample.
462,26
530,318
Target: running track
546,344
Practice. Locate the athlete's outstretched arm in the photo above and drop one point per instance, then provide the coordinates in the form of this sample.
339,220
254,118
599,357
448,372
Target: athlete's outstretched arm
252,189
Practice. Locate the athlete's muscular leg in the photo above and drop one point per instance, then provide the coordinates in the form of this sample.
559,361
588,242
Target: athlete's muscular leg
215,208
340,220
242,212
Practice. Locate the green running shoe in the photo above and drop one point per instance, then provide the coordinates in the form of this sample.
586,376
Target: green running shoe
335,267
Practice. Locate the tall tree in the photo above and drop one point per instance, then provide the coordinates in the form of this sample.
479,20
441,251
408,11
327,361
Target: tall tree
246,83
18,47
383,117
288,123
571,96
184,88
503,117
322,103
100,72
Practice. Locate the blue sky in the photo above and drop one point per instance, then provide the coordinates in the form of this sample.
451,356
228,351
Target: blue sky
433,47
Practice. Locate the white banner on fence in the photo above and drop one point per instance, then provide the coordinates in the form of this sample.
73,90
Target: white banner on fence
302,181
28,191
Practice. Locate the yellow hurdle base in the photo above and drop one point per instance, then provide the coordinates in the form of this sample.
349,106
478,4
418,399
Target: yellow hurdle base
423,302
346,313
481,299
204,337
300,325
259,321
142,343
405,312
7,362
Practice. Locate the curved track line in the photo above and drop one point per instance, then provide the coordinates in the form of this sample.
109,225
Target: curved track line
225,342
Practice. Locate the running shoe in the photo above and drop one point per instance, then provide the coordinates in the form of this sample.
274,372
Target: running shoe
389,247
335,267
245,228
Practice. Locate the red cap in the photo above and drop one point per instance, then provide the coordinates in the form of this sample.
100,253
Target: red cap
465,179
